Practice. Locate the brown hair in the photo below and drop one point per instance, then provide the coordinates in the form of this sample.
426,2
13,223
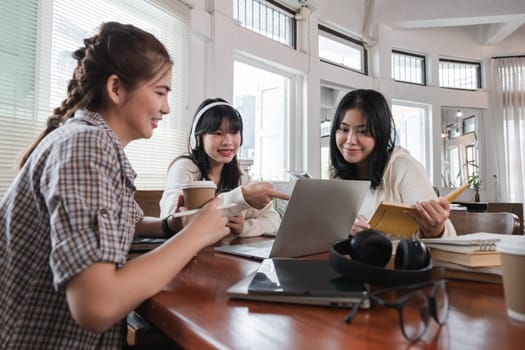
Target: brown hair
122,49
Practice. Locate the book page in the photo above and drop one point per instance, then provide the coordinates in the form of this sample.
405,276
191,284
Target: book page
476,238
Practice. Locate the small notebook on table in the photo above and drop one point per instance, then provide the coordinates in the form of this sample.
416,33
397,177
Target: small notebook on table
469,243
474,249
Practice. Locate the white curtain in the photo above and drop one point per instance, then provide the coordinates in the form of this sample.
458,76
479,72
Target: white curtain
508,107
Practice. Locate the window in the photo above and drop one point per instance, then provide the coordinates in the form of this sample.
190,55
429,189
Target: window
459,74
408,68
262,99
411,126
339,49
330,98
18,58
267,18
37,41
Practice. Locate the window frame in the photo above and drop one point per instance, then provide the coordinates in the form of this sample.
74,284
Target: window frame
423,69
466,62
279,8
292,126
40,101
425,129
354,43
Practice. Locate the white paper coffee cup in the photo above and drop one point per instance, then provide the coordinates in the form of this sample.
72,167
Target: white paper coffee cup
198,193
512,253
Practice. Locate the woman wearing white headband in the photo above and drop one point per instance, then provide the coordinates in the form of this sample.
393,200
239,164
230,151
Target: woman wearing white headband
215,138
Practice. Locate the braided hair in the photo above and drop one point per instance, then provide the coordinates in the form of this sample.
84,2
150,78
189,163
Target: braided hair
122,49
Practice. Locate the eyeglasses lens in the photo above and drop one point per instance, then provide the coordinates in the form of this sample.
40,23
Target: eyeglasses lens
415,314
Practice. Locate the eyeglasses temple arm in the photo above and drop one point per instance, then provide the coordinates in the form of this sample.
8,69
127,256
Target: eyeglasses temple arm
350,317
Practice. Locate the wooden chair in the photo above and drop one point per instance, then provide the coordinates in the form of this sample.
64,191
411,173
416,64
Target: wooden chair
149,201
470,222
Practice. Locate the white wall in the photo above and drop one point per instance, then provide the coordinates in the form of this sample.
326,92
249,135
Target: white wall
217,39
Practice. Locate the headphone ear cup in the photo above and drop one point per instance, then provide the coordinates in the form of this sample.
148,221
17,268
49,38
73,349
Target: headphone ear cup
371,247
411,254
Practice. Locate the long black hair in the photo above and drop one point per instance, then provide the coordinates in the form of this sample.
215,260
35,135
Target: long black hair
379,122
209,122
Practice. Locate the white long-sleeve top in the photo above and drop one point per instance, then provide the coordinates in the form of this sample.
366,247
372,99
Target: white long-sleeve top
256,222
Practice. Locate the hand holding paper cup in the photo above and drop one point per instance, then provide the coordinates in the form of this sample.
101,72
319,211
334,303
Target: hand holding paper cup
198,193
512,254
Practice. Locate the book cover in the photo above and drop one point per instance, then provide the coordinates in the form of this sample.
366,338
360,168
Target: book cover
488,274
472,276
392,218
470,259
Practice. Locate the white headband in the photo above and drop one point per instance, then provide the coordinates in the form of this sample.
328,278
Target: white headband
193,140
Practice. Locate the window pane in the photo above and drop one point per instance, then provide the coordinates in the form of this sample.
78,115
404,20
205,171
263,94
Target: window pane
330,97
150,158
411,129
346,54
408,68
59,27
267,19
262,99
18,52
459,75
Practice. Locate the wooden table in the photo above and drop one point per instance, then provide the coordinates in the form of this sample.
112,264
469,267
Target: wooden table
196,313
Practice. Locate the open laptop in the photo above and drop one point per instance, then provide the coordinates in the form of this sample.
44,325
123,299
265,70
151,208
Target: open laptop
319,212
299,281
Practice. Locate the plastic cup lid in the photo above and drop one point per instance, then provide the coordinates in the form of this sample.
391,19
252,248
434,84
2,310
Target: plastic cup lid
198,184
512,245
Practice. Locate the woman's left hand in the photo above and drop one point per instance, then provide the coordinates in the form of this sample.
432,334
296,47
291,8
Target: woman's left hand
236,224
431,216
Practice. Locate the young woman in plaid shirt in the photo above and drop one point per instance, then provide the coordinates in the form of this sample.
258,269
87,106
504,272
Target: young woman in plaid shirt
68,219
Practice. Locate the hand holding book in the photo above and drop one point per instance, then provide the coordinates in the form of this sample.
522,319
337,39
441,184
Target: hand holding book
392,218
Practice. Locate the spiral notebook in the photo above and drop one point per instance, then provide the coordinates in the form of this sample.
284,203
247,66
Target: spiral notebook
469,243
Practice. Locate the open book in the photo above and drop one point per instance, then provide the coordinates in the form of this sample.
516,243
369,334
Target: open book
392,218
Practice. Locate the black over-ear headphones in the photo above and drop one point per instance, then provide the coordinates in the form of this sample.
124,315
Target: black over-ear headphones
369,253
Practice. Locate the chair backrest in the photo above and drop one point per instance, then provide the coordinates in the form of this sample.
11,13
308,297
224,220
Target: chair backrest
470,222
149,202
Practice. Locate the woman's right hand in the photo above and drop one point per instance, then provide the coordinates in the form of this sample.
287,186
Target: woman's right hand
360,224
259,194
209,223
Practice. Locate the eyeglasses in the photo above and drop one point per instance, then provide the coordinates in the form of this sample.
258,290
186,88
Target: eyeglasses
415,308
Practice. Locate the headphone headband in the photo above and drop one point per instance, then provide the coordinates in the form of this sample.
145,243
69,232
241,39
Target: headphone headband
366,273
193,141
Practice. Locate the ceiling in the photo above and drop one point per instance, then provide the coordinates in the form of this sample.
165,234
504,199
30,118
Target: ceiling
492,21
